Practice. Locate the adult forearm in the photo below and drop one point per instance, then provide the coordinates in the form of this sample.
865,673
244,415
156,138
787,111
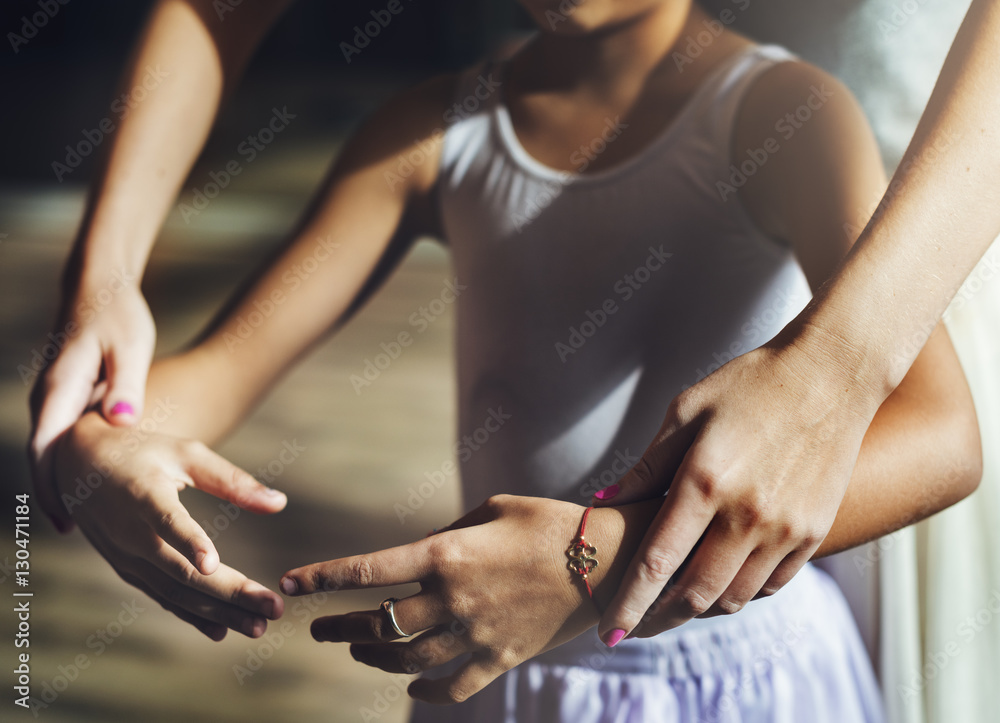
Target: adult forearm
188,57
937,218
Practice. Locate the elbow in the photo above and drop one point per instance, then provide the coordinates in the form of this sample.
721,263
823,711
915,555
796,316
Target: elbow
963,445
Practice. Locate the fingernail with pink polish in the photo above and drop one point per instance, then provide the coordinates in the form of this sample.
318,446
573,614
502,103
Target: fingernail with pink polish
288,586
614,637
122,408
608,492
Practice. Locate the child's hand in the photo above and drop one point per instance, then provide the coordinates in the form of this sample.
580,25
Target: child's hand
494,584
123,493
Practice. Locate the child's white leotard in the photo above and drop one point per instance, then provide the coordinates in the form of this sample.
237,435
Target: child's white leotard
590,301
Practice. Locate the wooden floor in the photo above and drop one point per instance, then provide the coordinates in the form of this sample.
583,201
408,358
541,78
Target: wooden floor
362,453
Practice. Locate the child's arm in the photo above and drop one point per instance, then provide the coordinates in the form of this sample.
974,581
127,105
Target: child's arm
364,220
361,223
920,454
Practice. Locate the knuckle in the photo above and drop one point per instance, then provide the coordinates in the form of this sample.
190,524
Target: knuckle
360,573
729,606
705,481
165,519
811,537
643,472
657,566
458,605
691,602
243,487
188,574
785,531
754,512
635,615
507,658
409,661
377,626
457,693
236,594
446,555
496,504
768,590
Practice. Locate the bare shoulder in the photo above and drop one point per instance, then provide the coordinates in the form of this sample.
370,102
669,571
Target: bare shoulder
821,162
795,98
403,138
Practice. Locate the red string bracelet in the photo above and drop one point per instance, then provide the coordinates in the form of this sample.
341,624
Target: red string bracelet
582,556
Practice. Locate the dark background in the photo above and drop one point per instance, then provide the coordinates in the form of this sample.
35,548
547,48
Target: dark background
63,79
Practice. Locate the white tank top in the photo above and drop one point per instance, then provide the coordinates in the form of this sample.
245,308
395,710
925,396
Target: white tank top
593,299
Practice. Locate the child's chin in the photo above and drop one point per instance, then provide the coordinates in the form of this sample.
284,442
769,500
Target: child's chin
551,17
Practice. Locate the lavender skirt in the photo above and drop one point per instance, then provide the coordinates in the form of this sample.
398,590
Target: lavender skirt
793,658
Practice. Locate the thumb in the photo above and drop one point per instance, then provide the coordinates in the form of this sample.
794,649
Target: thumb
127,369
651,476
220,477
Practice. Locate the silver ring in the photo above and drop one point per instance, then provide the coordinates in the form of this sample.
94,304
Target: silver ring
387,605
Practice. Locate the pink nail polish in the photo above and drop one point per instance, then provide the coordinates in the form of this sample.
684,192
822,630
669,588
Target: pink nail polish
122,408
614,637
608,492
288,586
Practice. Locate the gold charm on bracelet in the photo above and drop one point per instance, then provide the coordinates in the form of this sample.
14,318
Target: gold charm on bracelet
582,557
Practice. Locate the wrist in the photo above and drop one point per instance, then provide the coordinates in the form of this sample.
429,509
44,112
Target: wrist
836,361
616,533
74,447
858,328
100,274
109,253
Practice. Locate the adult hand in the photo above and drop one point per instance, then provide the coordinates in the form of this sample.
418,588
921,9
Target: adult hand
123,492
494,585
107,338
755,461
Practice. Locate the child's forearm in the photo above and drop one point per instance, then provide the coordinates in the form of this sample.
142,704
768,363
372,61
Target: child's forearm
616,532
213,386
190,395
920,455
355,231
